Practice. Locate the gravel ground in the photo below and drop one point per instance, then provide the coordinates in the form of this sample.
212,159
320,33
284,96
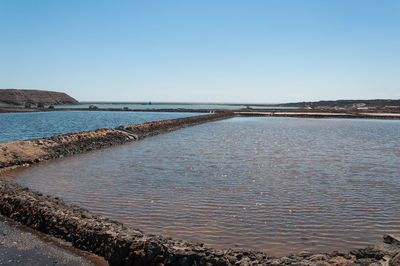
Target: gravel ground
21,247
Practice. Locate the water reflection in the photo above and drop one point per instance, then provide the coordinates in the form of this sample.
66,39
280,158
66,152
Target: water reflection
275,184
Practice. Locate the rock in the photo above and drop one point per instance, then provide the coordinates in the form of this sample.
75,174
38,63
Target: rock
304,253
369,252
391,239
318,257
395,261
339,261
29,97
388,249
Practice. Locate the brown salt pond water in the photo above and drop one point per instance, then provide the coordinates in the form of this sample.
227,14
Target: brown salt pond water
280,185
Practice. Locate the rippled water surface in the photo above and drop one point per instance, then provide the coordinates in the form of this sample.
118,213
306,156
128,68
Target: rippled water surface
277,184
21,126
173,106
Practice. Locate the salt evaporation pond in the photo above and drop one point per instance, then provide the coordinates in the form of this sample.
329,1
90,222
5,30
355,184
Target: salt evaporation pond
22,126
275,184
172,106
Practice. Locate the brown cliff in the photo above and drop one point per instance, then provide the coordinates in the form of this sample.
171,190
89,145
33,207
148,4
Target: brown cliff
22,97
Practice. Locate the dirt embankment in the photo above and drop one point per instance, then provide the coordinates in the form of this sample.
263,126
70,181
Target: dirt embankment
123,245
32,151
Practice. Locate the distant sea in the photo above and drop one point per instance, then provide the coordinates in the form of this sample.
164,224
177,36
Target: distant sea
32,125
169,106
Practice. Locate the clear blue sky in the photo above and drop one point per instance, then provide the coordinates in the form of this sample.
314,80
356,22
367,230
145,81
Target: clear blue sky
203,51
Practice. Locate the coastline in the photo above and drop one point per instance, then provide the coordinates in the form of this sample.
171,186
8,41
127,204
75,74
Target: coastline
296,113
319,114
121,244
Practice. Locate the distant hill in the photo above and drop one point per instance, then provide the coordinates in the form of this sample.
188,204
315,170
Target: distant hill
379,103
22,97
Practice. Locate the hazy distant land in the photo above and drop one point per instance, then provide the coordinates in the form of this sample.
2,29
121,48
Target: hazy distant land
377,103
21,97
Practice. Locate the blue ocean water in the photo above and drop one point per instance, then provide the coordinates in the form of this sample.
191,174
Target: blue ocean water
22,126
